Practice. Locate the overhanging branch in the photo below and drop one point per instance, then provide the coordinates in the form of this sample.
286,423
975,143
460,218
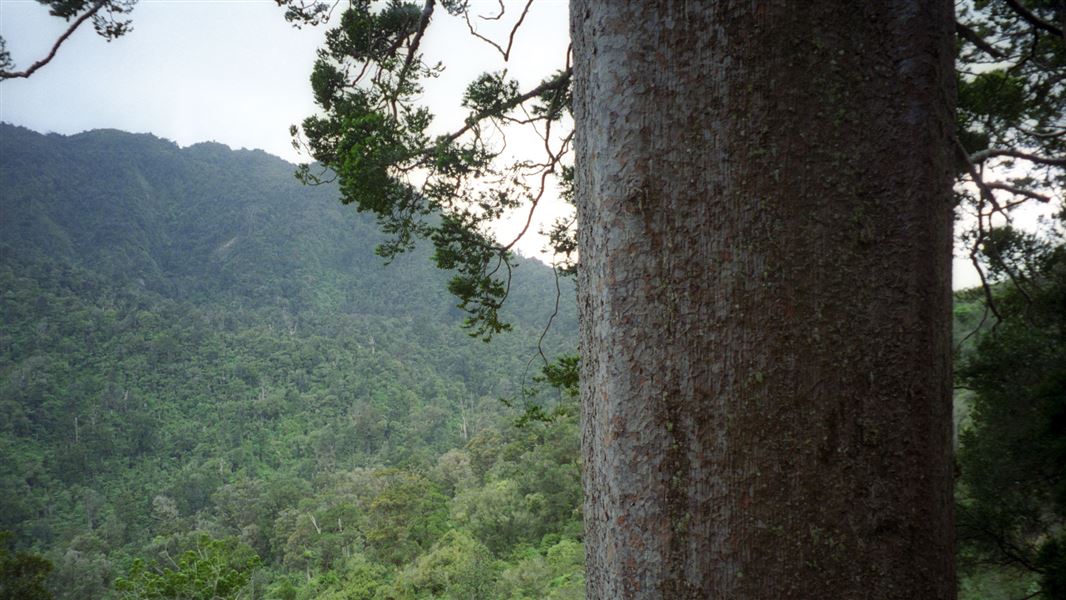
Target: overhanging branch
1032,19
1019,191
971,36
562,80
423,23
983,155
55,47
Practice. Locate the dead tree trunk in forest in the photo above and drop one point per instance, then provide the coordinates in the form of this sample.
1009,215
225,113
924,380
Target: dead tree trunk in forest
764,198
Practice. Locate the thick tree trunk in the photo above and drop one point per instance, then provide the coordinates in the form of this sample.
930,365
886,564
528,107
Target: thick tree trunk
764,199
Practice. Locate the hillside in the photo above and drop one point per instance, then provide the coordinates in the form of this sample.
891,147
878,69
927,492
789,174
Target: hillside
194,343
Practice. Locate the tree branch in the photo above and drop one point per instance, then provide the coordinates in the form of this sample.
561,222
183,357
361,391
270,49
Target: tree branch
510,38
971,36
1046,134
551,84
1032,19
1019,191
985,191
990,301
423,23
991,153
55,47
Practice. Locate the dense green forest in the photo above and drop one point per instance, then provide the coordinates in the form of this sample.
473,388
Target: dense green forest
194,344
212,387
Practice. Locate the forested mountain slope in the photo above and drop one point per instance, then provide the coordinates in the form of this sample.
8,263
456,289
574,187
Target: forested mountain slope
192,342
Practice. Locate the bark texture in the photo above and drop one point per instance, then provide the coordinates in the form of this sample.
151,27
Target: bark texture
765,212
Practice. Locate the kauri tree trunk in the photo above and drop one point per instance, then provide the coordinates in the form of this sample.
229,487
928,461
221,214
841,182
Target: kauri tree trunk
765,248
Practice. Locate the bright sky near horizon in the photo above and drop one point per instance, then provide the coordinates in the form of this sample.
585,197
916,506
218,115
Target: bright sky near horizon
235,72
232,71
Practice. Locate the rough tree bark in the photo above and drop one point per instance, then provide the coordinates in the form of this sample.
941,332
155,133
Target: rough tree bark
764,197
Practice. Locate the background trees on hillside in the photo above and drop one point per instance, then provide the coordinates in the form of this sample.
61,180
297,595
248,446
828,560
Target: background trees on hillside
150,406
1012,480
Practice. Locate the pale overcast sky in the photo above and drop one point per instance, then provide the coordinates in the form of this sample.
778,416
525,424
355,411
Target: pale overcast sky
190,71
231,71
235,72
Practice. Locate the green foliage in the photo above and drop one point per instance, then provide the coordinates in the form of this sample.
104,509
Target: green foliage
557,572
22,575
356,579
1009,75
374,136
405,516
1012,488
457,567
491,93
213,570
560,375
993,97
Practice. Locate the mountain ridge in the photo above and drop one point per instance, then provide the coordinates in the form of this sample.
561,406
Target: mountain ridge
165,217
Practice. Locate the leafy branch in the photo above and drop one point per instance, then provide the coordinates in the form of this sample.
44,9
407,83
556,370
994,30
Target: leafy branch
450,189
